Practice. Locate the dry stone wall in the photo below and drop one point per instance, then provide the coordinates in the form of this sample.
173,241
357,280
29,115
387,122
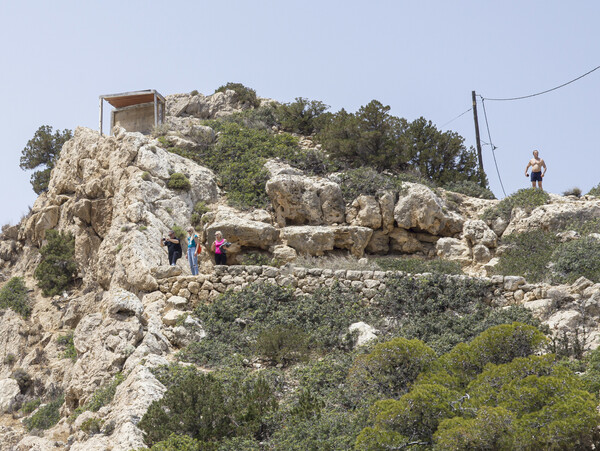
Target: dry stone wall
503,290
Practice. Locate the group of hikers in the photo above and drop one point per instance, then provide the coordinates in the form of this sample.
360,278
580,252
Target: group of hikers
219,247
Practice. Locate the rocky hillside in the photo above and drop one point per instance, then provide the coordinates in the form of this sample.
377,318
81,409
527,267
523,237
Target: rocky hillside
128,312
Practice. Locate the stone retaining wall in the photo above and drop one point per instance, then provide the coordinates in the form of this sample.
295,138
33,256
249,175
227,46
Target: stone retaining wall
504,290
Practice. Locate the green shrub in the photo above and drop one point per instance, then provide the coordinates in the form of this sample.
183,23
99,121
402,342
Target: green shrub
30,406
391,367
46,416
469,188
179,181
207,409
66,341
282,345
145,176
23,379
261,118
528,255
180,233
244,94
258,259
92,426
194,92
443,311
57,268
199,210
13,295
301,116
324,316
367,181
572,192
179,442
416,265
526,198
577,258
10,359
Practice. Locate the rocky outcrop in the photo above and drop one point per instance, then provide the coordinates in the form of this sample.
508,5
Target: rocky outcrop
213,106
299,200
419,208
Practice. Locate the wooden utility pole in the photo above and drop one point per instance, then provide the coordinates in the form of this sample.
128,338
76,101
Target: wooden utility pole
481,173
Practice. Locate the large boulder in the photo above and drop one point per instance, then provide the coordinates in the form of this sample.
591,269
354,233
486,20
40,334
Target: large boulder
244,232
454,250
9,390
421,209
300,200
477,232
364,212
309,240
355,239
404,241
217,105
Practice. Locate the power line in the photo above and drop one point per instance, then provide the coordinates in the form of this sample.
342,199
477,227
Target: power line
491,144
452,120
546,91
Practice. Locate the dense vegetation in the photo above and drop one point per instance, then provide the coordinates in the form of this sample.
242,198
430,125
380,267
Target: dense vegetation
41,152
439,340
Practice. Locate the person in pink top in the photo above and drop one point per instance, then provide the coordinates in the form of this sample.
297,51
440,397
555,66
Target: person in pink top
219,247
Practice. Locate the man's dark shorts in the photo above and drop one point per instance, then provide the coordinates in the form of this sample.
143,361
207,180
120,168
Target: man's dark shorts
536,176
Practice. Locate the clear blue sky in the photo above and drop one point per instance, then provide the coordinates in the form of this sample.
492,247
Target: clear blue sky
423,58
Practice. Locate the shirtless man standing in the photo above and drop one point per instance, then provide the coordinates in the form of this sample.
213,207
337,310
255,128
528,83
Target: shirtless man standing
536,164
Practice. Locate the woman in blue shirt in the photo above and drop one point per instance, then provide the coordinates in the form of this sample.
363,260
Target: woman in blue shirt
193,250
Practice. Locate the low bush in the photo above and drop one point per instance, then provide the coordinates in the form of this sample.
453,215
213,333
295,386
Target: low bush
179,181
258,259
92,426
199,210
282,345
442,311
526,198
46,416
194,92
469,188
208,409
235,320
145,176
367,181
416,265
23,379
572,192
30,406
66,342
10,359
57,268
575,259
13,295
528,255
244,95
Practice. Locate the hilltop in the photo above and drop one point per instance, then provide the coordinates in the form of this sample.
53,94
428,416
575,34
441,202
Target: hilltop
339,237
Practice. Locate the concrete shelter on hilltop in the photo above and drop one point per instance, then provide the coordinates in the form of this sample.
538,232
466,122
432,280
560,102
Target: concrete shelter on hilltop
136,111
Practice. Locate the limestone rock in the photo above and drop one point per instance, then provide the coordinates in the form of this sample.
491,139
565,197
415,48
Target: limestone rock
365,333
404,241
119,301
309,240
244,232
453,249
172,316
9,390
352,238
165,271
299,200
364,212
284,254
481,254
420,208
477,232
387,202
379,243
217,105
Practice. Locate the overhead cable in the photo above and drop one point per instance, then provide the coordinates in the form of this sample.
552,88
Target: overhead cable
452,120
492,145
546,91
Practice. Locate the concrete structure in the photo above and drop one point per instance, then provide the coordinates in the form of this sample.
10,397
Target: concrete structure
137,111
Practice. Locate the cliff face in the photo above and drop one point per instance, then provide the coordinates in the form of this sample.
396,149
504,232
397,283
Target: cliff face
125,314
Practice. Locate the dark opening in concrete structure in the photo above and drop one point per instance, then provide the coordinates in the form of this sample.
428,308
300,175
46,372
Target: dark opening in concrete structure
137,111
